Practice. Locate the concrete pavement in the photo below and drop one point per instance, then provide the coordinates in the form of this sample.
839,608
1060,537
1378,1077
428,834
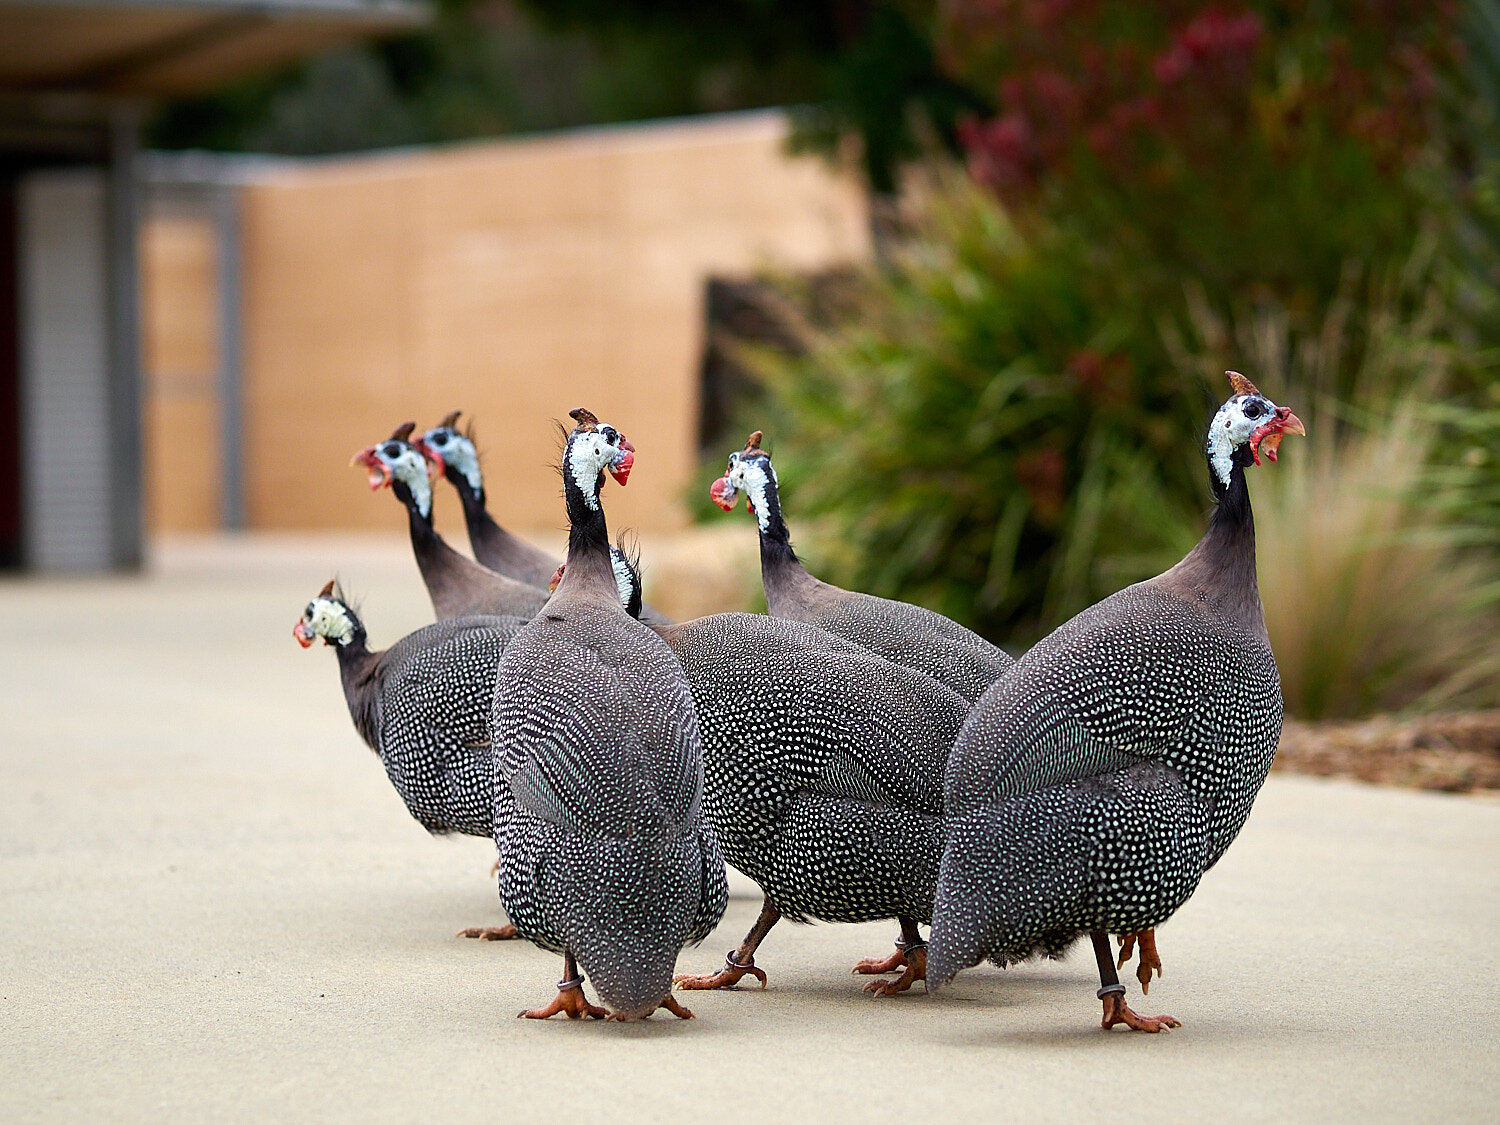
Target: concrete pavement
213,906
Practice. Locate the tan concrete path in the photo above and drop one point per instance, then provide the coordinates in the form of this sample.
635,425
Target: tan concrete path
213,907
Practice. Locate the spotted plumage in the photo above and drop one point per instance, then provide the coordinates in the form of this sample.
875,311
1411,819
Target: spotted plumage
423,705
1091,788
823,765
604,852
905,634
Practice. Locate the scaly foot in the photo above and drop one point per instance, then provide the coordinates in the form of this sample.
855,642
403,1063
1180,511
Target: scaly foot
872,966
490,933
1149,959
1117,1011
727,977
916,969
570,1001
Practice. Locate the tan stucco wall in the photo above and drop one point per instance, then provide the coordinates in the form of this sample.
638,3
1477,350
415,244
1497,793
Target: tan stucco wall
514,281
179,358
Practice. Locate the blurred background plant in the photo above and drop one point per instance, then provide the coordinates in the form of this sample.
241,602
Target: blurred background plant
1103,204
1005,423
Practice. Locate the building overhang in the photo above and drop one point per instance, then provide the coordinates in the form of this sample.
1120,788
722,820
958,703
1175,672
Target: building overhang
172,48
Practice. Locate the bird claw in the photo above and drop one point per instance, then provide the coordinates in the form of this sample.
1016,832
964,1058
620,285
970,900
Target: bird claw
489,933
727,977
873,966
1149,959
1117,1011
916,969
571,1002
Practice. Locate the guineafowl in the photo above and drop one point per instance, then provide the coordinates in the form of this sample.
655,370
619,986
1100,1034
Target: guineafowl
493,546
1092,786
423,705
906,634
458,586
823,768
605,856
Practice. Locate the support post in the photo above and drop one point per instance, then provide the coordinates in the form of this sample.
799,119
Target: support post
122,225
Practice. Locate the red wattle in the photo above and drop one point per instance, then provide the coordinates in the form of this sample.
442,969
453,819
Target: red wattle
717,493
621,472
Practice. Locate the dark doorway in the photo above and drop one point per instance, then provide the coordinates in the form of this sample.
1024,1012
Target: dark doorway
11,528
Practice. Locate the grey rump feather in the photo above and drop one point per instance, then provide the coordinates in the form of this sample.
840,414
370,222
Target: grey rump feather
823,765
604,852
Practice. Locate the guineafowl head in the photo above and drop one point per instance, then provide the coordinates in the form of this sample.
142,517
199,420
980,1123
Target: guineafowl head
397,461
750,471
326,616
627,579
455,450
1245,426
592,448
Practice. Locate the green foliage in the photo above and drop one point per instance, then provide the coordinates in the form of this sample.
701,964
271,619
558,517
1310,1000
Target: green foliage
1374,600
969,438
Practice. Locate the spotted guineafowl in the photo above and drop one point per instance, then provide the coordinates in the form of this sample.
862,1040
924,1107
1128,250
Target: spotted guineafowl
823,770
906,634
493,546
458,586
605,856
1092,787
423,705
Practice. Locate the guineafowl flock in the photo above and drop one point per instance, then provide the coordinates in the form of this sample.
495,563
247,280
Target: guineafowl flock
858,758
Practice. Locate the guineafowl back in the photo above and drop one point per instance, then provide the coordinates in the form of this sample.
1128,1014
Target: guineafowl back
823,764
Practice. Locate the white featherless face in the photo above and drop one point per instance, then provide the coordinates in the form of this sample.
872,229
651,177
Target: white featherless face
326,618
1234,425
407,465
456,450
752,475
589,453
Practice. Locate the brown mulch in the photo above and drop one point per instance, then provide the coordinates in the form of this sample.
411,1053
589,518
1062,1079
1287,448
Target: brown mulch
1456,753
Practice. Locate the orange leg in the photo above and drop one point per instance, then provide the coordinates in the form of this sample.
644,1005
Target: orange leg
489,933
1149,958
1117,1011
739,962
892,964
570,999
910,959
916,969
1112,993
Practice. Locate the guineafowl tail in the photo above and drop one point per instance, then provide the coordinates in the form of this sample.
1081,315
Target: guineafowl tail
1014,882
970,900
641,901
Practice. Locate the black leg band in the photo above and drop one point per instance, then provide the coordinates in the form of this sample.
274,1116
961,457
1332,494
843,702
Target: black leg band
1116,989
